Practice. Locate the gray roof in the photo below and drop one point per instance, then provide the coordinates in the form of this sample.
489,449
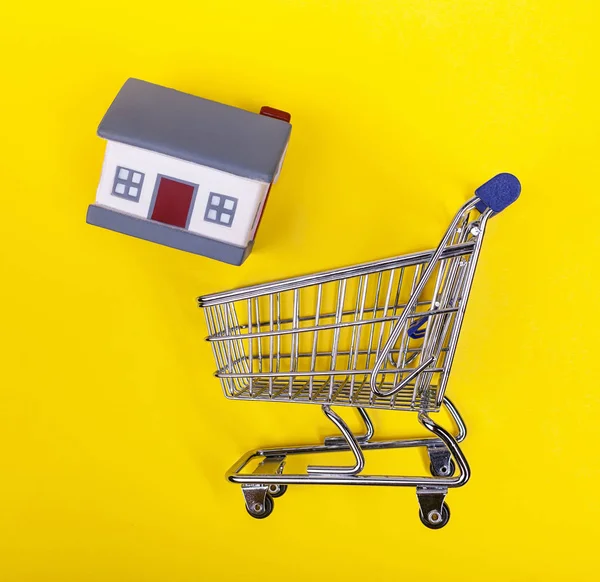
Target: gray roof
197,130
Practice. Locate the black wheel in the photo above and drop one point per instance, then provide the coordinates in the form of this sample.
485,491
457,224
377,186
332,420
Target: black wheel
450,468
435,520
276,491
260,512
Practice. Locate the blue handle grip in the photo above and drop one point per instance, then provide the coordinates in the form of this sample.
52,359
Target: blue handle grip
498,193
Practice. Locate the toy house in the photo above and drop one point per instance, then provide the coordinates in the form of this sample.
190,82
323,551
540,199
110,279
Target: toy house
187,172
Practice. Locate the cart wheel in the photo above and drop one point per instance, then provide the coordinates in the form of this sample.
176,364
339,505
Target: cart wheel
276,491
260,512
436,520
449,470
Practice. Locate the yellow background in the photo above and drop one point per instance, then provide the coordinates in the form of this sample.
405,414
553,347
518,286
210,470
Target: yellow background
114,436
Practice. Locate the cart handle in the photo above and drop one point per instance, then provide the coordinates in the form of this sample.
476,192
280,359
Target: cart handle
498,193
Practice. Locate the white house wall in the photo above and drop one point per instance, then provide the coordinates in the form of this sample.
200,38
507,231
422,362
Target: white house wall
249,193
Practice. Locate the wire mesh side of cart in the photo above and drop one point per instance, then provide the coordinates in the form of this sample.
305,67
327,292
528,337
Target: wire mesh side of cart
316,339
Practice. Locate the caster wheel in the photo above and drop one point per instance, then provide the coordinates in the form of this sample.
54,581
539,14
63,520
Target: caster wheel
436,520
276,491
450,468
259,511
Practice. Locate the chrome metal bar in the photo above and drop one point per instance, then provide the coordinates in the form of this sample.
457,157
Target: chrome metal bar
278,305
250,342
271,344
385,310
234,474
373,320
294,348
336,333
368,424
294,373
259,341
463,304
229,347
331,314
332,275
402,361
222,338
339,444
339,389
353,445
436,328
218,322
395,308
234,363
406,380
210,324
451,444
238,349
443,323
345,313
467,207
355,340
362,438
313,358
420,383
458,420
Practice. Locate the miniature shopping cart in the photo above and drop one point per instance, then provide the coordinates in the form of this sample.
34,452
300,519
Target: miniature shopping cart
377,335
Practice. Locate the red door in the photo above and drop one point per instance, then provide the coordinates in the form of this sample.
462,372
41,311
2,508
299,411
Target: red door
173,202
